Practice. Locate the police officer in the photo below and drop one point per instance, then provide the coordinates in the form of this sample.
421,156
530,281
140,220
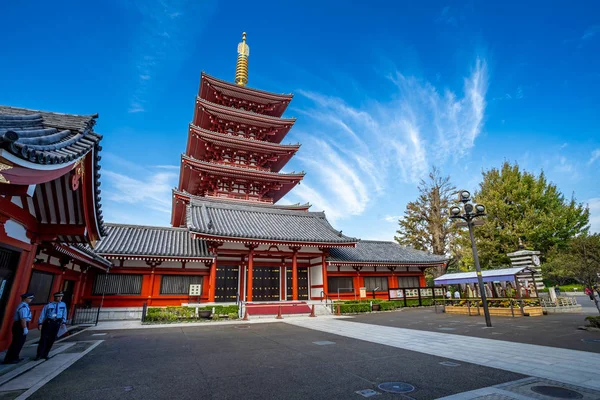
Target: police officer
53,316
19,329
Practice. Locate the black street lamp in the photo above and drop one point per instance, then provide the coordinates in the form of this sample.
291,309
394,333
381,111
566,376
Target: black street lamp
469,213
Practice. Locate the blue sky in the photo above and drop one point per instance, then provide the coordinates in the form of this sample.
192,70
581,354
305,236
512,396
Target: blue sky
381,93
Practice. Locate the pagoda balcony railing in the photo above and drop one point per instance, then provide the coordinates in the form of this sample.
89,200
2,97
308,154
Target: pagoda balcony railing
236,196
249,167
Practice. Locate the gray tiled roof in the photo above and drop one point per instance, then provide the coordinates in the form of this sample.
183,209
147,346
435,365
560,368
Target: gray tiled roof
152,241
52,138
383,252
295,206
270,224
95,256
45,137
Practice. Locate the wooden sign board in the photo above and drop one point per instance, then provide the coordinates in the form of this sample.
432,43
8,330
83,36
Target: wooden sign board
195,289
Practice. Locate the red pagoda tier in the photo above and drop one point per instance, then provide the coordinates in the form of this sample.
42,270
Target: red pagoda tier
234,148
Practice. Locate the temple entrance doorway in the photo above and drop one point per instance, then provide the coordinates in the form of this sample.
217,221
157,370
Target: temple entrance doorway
226,288
302,283
265,284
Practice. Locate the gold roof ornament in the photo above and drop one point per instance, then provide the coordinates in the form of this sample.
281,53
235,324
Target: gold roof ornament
241,68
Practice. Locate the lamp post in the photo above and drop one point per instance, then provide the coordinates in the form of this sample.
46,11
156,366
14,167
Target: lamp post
469,213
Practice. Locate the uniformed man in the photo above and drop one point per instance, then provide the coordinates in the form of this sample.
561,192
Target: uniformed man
19,329
53,316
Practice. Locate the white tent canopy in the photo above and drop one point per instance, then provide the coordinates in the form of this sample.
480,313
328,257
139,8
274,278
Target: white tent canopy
492,275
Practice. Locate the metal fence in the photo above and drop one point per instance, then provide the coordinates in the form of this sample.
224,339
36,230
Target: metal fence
83,315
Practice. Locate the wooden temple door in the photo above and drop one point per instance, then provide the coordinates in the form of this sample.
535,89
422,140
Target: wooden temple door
265,284
226,288
302,283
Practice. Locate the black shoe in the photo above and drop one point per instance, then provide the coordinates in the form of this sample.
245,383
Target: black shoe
36,359
46,358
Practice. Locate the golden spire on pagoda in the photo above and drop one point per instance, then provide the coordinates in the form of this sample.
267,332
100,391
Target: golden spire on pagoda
241,68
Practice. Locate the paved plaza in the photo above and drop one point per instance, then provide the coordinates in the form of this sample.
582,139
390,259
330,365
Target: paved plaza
323,358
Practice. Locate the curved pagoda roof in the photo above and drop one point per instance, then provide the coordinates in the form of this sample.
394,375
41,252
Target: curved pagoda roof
143,242
204,139
374,252
223,221
242,142
236,171
275,104
205,108
43,147
45,137
292,207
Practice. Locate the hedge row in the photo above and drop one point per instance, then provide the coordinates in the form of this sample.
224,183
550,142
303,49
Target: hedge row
359,306
174,314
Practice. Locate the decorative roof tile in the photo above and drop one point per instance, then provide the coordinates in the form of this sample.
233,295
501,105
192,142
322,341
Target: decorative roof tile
372,251
296,206
151,241
45,137
224,220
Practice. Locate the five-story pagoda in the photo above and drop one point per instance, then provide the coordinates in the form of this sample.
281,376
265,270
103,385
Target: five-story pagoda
234,149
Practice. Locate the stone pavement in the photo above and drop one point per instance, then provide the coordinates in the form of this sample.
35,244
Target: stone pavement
568,366
28,377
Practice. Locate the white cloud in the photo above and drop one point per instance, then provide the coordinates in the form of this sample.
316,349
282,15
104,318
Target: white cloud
519,92
594,206
590,32
153,191
565,166
365,147
595,156
392,218
446,18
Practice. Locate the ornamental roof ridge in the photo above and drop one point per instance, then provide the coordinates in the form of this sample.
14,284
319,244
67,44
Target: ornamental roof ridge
228,137
233,86
234,201
213,203
241,169
388,252
237,222
3,109
219,107
117,225
152,241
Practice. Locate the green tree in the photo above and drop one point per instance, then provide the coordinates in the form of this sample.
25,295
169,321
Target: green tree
425,224
522,205
580,261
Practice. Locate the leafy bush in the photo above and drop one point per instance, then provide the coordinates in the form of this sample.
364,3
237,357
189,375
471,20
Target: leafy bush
387,306
355,308
173,314
594,321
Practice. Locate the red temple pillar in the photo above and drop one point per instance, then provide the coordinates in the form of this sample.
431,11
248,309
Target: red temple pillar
151,286
295,273
250,267
212,281
324,270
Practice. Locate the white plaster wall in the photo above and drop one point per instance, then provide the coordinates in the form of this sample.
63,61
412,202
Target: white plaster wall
316,275
16,231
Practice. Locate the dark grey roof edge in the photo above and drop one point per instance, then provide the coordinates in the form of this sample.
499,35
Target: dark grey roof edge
242,202
318,217
116,224
144,241
398,254
198,202
90,252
